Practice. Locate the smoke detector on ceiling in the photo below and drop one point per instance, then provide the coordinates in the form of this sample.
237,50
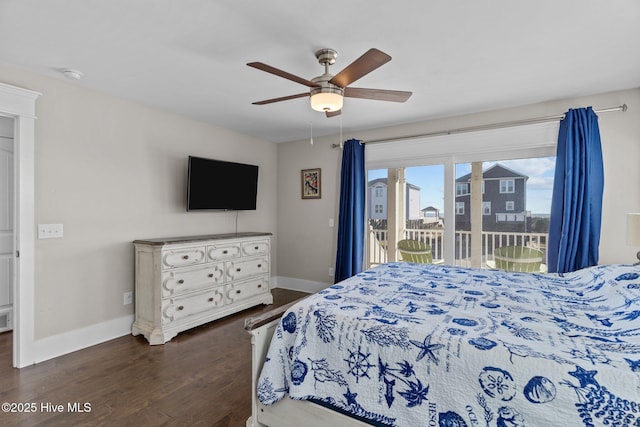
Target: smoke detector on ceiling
72,74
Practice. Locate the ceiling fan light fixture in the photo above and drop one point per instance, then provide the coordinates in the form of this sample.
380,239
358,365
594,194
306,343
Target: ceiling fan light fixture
326,101
325,97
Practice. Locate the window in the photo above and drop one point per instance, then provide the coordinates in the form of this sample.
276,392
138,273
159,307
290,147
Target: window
510,215
507,186
522,151
379,192
419,215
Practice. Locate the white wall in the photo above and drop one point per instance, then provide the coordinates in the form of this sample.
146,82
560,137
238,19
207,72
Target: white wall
113,171
306,247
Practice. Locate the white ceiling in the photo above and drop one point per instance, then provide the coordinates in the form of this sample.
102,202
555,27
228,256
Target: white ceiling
457,57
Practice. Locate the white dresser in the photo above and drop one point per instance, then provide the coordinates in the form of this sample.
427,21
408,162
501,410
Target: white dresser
183,282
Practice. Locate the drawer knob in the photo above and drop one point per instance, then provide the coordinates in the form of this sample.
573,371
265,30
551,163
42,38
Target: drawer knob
255,248
259,265
260,285
181,281
210,274
238,291
185,257
238,269
180,308
210,299
225,252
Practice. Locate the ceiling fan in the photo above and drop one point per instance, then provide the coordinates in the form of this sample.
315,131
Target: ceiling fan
327,91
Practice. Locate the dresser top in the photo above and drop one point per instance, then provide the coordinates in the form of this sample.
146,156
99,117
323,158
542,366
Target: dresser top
189,239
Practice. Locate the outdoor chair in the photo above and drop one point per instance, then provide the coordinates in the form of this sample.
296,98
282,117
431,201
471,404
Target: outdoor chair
518,258
415,251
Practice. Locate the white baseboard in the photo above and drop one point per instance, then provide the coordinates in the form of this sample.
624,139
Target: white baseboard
68,342
298,284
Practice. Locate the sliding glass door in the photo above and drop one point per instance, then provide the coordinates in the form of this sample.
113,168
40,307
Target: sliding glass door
510,207
509,204
463,211
405,203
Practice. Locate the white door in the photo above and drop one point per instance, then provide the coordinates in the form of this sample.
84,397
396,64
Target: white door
6,222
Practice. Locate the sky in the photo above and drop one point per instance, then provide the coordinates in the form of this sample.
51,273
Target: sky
430,179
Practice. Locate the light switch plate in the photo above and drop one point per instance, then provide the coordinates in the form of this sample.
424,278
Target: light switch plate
50,231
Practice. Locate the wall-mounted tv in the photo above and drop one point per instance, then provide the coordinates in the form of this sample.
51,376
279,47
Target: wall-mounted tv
221,185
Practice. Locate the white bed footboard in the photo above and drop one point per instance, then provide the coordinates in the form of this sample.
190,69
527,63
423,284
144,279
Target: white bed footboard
287,412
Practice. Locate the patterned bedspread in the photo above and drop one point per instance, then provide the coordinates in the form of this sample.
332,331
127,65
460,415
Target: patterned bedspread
427,345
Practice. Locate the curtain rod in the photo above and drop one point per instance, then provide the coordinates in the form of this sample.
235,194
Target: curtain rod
622,108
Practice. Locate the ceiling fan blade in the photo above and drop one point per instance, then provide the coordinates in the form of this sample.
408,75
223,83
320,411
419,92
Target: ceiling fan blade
377,94
280,73
369,61
333,113
284,98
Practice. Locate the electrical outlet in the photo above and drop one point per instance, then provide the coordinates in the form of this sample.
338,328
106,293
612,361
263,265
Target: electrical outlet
330,271
128,298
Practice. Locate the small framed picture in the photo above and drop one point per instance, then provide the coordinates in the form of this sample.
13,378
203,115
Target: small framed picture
311,183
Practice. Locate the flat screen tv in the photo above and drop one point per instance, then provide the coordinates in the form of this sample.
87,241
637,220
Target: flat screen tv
220,185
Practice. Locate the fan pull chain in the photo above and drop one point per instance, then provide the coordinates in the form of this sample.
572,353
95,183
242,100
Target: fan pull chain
341,142
311,132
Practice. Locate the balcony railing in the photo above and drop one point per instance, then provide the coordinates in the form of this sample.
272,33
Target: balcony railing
490,241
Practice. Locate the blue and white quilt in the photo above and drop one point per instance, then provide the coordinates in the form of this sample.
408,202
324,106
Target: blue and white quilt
426,345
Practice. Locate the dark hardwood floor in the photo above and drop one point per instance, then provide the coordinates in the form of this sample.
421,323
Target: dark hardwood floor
200,378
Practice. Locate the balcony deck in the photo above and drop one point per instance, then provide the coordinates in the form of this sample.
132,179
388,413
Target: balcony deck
491,240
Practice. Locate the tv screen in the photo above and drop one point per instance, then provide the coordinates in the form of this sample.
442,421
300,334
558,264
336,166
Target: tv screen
220,185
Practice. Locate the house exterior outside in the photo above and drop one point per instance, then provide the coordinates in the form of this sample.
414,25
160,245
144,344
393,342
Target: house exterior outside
431,215
504,196
377,200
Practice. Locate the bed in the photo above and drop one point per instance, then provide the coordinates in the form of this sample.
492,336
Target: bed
407,344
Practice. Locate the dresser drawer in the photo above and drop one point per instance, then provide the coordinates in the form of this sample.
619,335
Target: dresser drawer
177,282
223,252
246,268
183,257
245,289
174,309
258,247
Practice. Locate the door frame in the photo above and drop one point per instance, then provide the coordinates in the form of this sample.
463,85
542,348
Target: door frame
7,252
19,104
